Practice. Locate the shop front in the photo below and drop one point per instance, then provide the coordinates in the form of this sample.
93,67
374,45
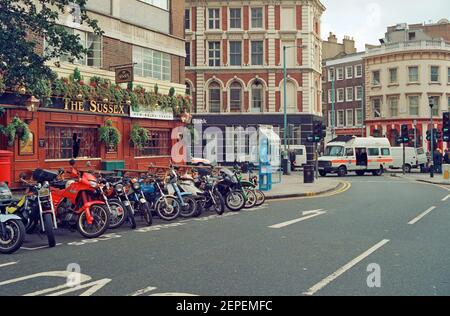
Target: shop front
69,129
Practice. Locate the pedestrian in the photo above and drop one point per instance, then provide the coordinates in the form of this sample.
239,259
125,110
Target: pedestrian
447,157
438,160
76,145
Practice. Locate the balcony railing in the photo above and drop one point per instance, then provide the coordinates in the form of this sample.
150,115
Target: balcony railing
409,46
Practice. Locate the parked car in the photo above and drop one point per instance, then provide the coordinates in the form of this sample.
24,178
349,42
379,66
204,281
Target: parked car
414,158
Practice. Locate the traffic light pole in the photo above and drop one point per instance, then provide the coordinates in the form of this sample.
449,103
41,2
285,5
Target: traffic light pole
432,140
316,150
404,159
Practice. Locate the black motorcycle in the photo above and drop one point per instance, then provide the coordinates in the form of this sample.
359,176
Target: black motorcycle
231,190
211,197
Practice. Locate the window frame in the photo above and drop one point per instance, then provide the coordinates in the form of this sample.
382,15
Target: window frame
262,18
215,50
215,20
351,99
230,18
261,53
347,76
347,116
360,66
232,54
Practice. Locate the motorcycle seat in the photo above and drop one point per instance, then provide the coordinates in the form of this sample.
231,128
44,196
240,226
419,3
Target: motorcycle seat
59,185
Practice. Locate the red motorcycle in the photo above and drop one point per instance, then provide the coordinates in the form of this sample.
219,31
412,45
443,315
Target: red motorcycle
76,207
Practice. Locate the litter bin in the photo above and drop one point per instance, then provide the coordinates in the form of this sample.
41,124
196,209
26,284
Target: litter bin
308,174
5,166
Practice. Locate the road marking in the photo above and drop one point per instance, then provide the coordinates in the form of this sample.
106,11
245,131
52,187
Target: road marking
446,198
319,286
418,218
8,264
345,187
38,248
143,291
306,215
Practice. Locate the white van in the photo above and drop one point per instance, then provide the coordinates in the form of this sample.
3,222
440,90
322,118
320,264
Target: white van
356,154
300,155
414,158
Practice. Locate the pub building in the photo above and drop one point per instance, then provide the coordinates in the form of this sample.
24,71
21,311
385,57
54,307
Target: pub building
69,128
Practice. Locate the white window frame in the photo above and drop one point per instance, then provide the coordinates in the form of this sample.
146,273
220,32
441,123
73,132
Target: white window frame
339,71
241,18
409,104
165,72
356,93
331,71
357,67
215,50
409,74
347,75
340,100
389,102
251,18
251,53
347,116
438,74
339,124
241,53
373,107
390,77
215,19
349,96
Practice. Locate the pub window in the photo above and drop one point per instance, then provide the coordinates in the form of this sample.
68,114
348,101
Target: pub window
151,63
158,144
65,142
90,41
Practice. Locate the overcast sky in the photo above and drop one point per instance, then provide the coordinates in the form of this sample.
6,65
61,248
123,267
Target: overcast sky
366,21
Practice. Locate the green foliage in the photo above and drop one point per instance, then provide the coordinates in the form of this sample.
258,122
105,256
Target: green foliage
156,89
43,91
17,128
172,92
22,64
139,136
77,75
109,135
2,85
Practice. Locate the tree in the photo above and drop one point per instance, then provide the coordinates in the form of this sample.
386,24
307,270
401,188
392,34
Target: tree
20,63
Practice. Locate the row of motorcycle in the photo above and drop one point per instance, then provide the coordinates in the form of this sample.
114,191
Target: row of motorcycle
91,204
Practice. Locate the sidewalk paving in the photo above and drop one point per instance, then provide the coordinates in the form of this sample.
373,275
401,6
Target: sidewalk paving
421,177
293,186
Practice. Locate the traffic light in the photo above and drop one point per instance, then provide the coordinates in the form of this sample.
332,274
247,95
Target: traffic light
446,127
405,134
437,135
319,133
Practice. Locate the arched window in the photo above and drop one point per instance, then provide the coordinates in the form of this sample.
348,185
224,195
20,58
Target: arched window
257,102
214,97
291,97
235,97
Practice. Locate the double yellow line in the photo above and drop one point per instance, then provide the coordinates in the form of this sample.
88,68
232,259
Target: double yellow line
343,187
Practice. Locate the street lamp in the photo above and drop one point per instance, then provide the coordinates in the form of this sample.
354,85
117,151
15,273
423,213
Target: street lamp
32,105
286,155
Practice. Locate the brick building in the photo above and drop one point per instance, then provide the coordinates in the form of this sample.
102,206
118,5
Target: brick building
346,76
411,66
146,33
234,63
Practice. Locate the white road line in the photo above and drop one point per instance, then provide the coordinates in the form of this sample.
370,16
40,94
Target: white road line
143,291
314,289
8,264
310,214
418,218
446,198
38,248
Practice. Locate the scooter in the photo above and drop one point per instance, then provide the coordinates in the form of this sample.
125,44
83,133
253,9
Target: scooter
165,206
187,203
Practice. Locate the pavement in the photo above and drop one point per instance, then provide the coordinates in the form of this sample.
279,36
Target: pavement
421,177
294,186
380,236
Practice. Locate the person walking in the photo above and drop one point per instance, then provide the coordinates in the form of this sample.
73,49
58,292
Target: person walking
438,161
447,157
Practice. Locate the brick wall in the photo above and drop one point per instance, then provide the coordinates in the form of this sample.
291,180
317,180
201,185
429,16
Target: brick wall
177,18
178,71
116,53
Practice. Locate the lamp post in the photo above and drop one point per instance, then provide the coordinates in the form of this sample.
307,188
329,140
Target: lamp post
286,155
32,105
431,103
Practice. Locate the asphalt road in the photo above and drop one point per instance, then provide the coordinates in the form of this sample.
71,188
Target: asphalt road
395,228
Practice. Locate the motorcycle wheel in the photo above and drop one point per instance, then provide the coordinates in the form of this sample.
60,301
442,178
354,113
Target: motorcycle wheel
118,214
190,207
99,225
15,236
260,197
235,201
168,211
251,198
49,231
130,216
218,204
147,213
